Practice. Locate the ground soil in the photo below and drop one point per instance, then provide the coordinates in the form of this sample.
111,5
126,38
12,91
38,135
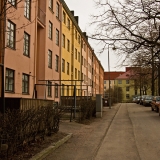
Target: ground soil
35,147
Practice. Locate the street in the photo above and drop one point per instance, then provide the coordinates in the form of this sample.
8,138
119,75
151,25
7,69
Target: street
127,131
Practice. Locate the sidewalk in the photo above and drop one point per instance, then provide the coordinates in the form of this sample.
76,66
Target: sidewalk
82,139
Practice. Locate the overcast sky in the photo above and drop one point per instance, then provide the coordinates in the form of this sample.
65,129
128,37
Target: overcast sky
83,9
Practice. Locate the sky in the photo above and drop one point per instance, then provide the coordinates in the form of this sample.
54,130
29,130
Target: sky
84,9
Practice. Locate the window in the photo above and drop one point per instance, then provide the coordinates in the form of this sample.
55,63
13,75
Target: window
75,53
119,81
68,23
68,45
27,8
11,35
57,37
51,4
82,76
56,90
57,63
127,96
75,34
67,68
49,59
25,83
84,47
127,81
105,82
12,2
63,40
79,39
49,88
82,60
78,56
63,65
75,73
26,44
9,85
127,88
64,17
62,89
67,90
50,30
78,75
57,10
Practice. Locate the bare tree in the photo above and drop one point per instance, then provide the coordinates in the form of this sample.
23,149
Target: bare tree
134,26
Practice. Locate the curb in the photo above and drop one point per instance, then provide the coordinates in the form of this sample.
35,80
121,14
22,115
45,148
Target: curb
51,148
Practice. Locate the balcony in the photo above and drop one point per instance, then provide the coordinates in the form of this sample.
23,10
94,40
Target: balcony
41,17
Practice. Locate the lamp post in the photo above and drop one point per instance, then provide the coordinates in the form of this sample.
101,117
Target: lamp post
109,97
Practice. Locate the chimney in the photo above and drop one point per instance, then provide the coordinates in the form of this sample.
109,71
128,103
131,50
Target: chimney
72,13
76,18
84,33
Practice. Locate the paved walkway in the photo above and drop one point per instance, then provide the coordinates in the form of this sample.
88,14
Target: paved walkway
86,139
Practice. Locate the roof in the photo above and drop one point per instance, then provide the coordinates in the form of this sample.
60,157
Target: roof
126,75
113,75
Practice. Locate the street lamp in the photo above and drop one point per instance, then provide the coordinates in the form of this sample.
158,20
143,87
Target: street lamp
109,95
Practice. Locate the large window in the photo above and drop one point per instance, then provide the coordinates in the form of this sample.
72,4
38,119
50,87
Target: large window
127,88
63,41
57,10
25,83
26,47
64,17
57,37
9,85
127,96
78,56
49,88
56,90
67,68
119,81
62,89
50,30
68,45
75,53
63,65
49,59
127,81
12,2
68,23
56,63
11,35
75,73
27,8
51,4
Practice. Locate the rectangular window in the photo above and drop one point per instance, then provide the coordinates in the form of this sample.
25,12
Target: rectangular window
67,90
75,73
127,88
78,75
57,37
27,8
64,17
78,56
68,23
79,39
49,88
63,65
75,53
75,34
57,63
50,30
67,68
12,2
25,83
56,90
127,96
119,81
63,41
57,10
49,59
127,81
26,47
9,84
11,35
68,45
51,4
62,89
82,76
82,60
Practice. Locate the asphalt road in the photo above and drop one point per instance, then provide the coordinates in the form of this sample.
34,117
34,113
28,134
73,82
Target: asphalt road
125,132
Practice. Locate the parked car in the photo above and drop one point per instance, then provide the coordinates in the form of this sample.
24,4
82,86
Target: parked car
147,100
141,99
138,99
155,103
134,99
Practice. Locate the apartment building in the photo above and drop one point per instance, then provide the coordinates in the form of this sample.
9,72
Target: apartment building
45,53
